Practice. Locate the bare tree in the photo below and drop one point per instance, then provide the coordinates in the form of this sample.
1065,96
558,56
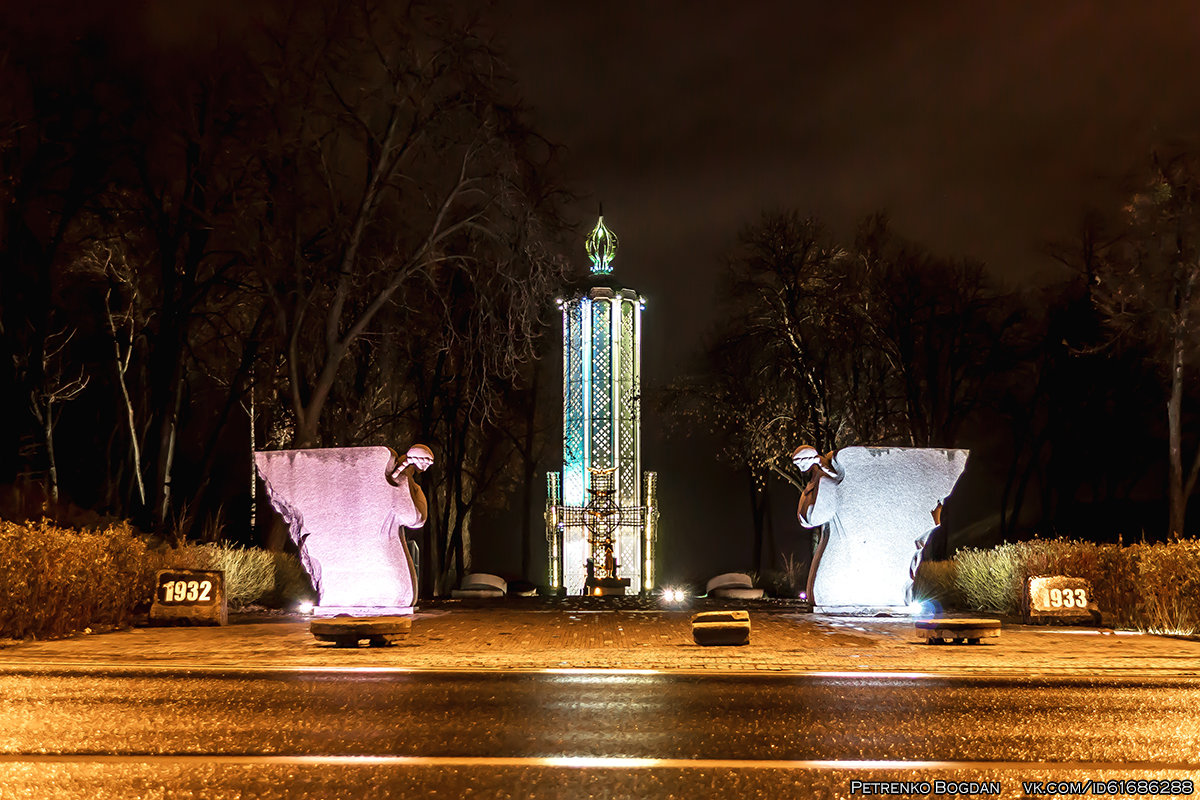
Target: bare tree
1147,288
944,330
879,343
54,389
105,260
404,246
395,156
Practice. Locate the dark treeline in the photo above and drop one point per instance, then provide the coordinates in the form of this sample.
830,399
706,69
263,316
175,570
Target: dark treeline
323,224
318,224
1059,391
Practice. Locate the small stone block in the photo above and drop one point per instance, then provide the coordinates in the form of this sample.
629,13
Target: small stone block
970,631
1060,600
349,631
189,597
721,628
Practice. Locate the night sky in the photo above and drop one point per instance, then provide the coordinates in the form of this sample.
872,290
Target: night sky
982,131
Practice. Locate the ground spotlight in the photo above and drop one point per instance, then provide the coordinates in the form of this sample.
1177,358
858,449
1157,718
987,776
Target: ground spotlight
673,595
305,608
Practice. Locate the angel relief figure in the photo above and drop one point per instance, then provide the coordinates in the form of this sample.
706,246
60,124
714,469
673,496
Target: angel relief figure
346,508
871,504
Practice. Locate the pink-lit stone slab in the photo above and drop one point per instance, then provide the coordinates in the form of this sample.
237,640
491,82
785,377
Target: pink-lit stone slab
878,503
346,517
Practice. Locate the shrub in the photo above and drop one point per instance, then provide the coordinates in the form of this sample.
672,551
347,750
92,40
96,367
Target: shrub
251,575
989,579
775,583
1154,587
937,584
55,580
292,583
1169,587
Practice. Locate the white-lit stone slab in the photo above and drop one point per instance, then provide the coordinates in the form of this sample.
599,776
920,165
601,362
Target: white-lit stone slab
877,501
729,580
345,514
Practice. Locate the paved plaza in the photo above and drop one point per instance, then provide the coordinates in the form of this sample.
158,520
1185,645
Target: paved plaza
533,634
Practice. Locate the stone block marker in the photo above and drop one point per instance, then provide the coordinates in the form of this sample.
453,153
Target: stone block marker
721,628
1059,600
189,597
937,631
349,631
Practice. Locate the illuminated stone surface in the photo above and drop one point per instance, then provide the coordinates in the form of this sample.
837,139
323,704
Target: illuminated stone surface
344,507
876,503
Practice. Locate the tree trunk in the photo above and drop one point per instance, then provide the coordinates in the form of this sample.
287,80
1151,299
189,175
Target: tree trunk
756,510
769,526
1178,503
529,473
166,460
122,367
52,473
253,466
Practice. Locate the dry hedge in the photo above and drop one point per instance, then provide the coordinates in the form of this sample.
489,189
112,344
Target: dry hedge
55,581
1152,587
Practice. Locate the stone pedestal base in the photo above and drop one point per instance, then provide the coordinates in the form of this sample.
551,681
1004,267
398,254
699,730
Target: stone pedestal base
970,631
349,631
606,587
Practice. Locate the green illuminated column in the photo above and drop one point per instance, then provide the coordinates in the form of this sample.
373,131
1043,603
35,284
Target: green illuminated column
602,329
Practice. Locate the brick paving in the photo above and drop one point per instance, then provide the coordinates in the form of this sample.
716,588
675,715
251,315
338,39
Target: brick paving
628,634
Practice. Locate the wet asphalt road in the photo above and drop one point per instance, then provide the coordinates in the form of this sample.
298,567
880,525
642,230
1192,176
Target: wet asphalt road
323,734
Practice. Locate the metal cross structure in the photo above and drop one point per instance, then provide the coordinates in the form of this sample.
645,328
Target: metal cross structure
602,518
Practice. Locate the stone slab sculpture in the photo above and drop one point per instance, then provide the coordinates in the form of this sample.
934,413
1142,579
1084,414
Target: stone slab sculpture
345,508
480,585
875,506
733,585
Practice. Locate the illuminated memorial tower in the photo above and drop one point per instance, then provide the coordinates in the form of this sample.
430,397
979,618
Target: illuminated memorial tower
601,510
